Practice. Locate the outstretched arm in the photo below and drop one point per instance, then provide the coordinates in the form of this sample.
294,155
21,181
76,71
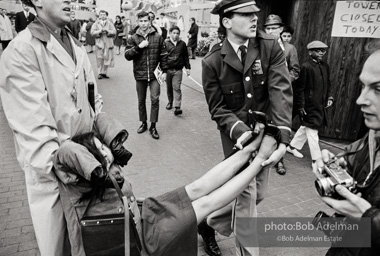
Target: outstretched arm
235,186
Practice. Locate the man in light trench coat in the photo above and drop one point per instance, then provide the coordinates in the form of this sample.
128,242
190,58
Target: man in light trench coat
45,73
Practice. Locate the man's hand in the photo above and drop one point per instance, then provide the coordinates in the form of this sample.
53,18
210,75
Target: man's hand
242,139
352,206
302,113
327,157
276,156
329,103
163,77
188,72
144,44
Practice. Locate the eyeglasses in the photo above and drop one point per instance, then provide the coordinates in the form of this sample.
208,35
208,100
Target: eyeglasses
322,51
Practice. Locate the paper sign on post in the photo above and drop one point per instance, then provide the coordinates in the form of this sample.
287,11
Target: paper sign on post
357,19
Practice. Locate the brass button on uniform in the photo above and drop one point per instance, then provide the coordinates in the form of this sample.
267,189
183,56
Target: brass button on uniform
247,78
249,95
262,82
250,111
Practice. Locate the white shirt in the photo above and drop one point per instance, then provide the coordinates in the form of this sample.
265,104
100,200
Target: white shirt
26,14
174,42
236,47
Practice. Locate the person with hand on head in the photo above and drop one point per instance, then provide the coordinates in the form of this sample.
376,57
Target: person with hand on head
364,165
147,44
312,97
168,223
177,60
45,81
244,74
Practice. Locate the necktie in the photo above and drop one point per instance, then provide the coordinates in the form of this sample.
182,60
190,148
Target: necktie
243,51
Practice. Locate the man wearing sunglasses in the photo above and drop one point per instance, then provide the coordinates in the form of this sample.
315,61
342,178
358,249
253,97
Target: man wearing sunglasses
312,98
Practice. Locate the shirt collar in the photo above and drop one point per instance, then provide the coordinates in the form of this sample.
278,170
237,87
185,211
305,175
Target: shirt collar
236,46
41,30
174,42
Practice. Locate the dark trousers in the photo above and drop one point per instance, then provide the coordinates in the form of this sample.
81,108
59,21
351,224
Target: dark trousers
173,82
191,51
141,88
4,44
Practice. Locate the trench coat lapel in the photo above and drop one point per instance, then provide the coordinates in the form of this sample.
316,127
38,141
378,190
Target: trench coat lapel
61,54
253,52
230,57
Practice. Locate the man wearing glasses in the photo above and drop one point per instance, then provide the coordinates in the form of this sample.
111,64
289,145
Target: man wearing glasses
312,98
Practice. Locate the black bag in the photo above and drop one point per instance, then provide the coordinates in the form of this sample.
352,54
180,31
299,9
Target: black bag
107,235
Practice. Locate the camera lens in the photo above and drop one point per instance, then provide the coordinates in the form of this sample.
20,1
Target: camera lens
319,187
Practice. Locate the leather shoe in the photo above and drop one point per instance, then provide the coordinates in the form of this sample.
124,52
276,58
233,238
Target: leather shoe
142,128
100,76
208,235
105,76
280,168
154,133
169,106
177,111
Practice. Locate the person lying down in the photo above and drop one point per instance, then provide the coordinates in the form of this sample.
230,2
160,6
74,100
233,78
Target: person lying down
169,222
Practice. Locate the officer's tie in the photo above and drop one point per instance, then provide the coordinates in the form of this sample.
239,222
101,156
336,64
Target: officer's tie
243,52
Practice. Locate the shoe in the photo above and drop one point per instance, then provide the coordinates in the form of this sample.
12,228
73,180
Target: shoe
154,133
208,236
193,58
143,127
280,168
91,51
177,111
100,76
169,106
105,76
294,152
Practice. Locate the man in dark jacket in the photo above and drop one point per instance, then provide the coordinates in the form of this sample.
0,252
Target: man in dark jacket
245,73
193,38
312,98
364,166
23,18
177,59
74,25
147,50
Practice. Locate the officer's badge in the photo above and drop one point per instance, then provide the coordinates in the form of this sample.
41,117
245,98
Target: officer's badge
256,68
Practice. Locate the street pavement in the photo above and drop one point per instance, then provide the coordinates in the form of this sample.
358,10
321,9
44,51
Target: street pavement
189,145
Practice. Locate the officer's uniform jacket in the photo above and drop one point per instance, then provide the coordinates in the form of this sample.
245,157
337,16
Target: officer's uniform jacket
264,85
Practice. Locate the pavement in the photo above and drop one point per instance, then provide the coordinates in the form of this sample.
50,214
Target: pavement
189,145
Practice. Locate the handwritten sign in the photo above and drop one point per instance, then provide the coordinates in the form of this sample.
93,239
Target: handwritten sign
357,19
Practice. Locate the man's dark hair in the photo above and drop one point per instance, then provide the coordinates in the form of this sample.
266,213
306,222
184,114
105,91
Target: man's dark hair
228,15
193,19
28,3
142,14
288,29
103,11
174,28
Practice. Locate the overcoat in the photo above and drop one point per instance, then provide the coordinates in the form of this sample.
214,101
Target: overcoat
193,40
312,91
233,93
45,99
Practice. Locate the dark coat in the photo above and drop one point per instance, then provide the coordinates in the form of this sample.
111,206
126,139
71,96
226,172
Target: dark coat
21,22
358,166
90,40
193,32
74,26
177,55
264,85
146,60
312,91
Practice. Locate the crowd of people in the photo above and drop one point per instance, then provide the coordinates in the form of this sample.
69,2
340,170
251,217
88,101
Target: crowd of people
253,84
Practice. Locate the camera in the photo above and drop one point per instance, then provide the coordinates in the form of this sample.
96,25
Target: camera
330,176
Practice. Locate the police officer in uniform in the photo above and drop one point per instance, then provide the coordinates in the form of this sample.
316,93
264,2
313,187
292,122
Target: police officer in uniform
245,73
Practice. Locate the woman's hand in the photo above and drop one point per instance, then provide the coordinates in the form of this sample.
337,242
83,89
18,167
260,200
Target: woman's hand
267,147
252,147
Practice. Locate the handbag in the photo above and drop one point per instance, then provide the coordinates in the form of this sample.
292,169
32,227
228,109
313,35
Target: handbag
111,235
